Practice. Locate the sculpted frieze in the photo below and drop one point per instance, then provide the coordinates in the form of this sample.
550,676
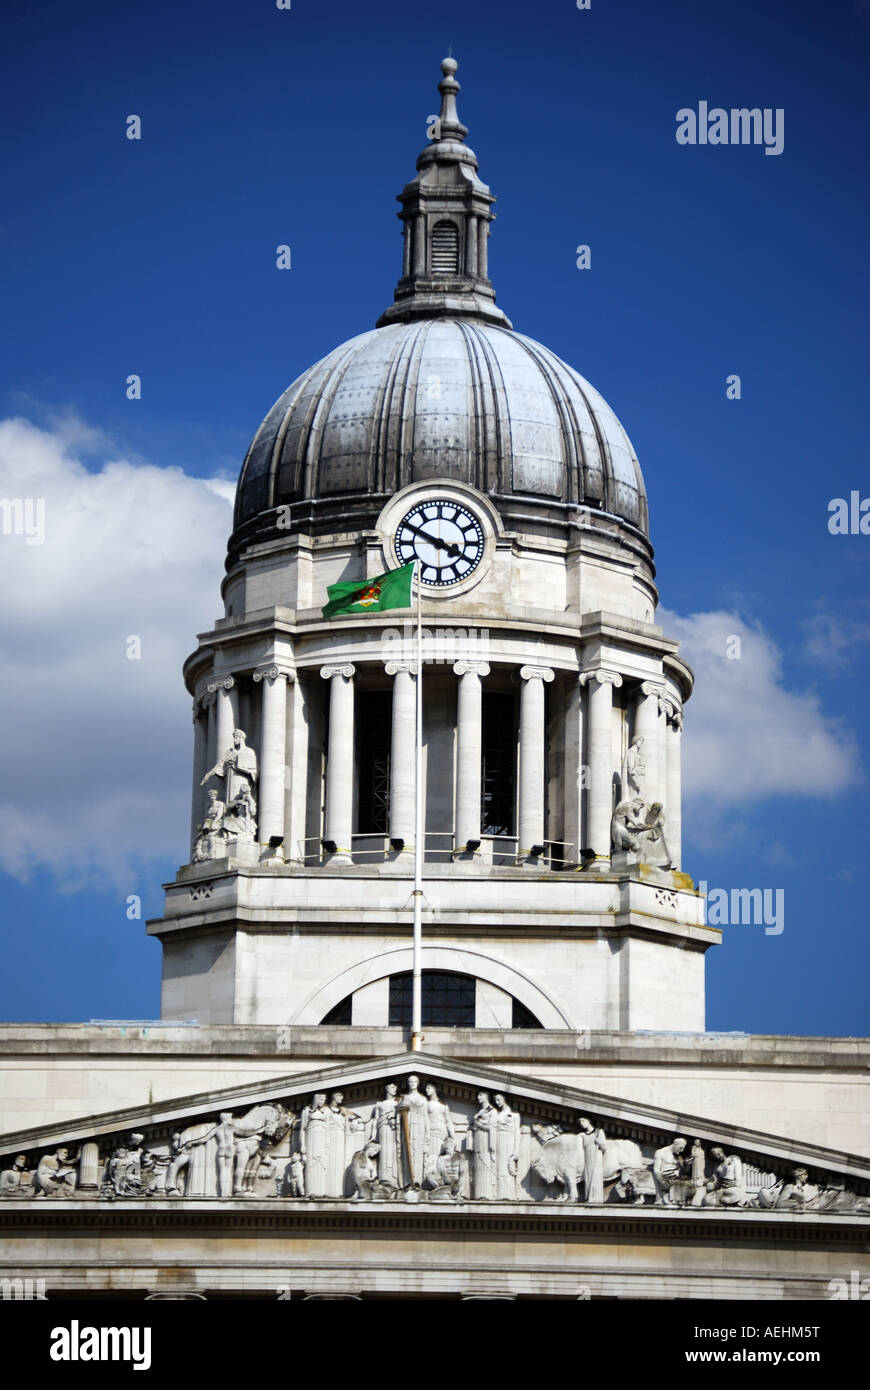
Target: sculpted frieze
415,1139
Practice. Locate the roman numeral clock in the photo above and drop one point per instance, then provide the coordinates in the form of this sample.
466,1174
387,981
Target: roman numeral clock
445,536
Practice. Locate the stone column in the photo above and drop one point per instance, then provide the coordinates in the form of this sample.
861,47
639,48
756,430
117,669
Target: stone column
402,751
89,1165
200,768
226,716
420,244
469,709
210,702
296,773
339,762
674,785
406,248
273,731
483,238
647,725
601,761
532,759
574,772
471,247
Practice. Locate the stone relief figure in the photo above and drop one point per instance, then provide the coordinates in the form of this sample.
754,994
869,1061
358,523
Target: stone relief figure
294,1176
384,1131
364,1174
239,819
668,1169
699,1172
594,1144
654,847
16,1181
238,766
628,825
725,1188
314,1140
796,1195
339,1120
181,1148
55,1175
482,1147
210,830
254,1134
506,1149
634,768
440,1125
414,1119
448,1176
123,1172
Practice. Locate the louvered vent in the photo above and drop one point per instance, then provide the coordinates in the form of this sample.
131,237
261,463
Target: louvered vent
445,249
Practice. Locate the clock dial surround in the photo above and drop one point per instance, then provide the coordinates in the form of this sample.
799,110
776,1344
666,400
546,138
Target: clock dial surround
445,536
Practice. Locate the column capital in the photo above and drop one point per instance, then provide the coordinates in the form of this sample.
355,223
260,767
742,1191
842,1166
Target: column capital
652,688
671,710
471,668
222,683
601,676
539,673
392,668
347,670
274,673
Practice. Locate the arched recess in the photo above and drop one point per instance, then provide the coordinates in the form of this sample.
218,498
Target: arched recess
459,959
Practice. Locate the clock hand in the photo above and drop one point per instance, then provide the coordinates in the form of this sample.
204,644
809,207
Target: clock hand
452,550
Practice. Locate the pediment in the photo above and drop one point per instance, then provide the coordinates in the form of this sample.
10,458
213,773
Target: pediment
480,1134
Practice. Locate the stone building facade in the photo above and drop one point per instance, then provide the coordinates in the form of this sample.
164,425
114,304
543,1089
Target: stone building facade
568,1129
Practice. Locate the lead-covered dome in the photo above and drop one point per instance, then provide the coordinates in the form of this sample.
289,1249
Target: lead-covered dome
442,388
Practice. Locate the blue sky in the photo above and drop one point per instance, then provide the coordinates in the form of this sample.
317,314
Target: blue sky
157,257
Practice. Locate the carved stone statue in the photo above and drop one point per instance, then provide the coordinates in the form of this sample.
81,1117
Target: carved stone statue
668,1169
55,1175
364,1174
506,1149
562,1159
725,1188
699,1172
654,849
449,1173
238,766
628,825
440,1125
16,1181
294,1176
384,1130
123,1174
338,1127
414,1119
210,830
182,1147
796,1195
314,1139
594,1144
634,768
240,817
482,1146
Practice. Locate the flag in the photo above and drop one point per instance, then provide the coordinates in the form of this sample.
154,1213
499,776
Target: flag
390,590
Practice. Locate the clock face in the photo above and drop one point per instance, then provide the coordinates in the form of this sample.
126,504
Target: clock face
445,537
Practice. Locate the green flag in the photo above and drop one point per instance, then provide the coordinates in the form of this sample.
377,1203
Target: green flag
390,590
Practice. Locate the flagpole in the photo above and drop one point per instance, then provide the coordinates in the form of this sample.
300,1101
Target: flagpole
419,833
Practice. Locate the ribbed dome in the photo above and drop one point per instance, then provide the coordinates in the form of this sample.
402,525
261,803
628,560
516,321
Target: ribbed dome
437,398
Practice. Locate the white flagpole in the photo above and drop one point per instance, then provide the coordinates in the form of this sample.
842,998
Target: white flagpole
419,834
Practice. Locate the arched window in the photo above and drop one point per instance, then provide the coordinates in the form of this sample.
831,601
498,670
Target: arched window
445,249
449,1001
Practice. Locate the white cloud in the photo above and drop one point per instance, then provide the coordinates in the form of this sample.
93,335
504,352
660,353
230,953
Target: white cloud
96,768
747,737
831,639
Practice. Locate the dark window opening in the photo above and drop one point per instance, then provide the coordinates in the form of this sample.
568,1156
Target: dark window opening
498,783
448,999
373,737
341,1013
521,1017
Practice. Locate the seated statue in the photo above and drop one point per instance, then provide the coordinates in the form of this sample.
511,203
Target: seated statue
640,830
55,1175
210,830
364,1175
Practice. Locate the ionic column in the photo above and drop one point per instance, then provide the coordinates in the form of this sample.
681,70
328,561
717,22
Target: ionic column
532,760
402,751
273,732
573,775
674,792
647,725
226,713
200,768
339,763
469,709
601,766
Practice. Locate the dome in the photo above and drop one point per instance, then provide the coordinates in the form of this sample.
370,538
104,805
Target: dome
442,388
437,398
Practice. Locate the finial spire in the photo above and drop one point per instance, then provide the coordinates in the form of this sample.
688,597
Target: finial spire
446,212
